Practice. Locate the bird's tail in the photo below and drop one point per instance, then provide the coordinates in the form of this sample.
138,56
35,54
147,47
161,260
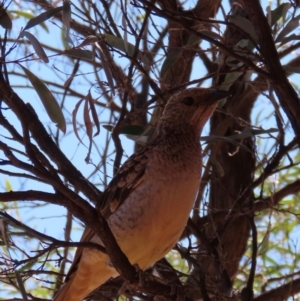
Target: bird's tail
83,282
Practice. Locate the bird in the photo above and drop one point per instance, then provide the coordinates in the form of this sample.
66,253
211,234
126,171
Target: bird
148,201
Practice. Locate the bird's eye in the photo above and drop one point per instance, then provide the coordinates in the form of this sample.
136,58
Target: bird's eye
188,101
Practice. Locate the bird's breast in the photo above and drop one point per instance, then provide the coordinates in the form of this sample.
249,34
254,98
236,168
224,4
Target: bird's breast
149,223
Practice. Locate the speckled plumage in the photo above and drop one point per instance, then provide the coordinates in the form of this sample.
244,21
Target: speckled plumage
148,202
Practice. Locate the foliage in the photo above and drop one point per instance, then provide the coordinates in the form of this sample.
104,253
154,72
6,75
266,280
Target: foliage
82,80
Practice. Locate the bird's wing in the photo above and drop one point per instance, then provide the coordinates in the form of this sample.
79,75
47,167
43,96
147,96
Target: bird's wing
129,176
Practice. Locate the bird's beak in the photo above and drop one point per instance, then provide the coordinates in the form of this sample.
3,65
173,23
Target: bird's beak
217,95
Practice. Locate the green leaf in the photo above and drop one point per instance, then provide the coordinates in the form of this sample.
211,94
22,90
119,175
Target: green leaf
74,114
24,14
119,43
213,138
136,130
80,53
246,133
292,37
88,40
292,25
106,68
5,20
52,107
231,78
27,15
137,133
124,24
245,25
36,45
66,18
43,17
279,12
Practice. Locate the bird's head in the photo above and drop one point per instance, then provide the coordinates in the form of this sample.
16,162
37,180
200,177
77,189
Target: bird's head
190,109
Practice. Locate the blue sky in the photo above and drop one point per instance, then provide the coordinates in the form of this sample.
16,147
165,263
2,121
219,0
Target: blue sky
50,219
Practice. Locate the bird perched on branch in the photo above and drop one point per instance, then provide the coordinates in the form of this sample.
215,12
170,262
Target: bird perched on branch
148,202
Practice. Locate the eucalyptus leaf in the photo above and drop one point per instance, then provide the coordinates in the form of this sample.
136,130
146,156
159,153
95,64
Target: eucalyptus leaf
43,17
88,40
5,20
137,133
119,43
52,107
279,12
106,68
214,138
290,26
36,45
27,15
292,37
125,33
80,53
135,130
245,25
66,18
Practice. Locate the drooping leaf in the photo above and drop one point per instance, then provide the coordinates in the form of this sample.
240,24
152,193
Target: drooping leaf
94,113
27,15
69,81
52,107
245,25
88,40
231,78
246,44
290,26
291,37
87,120
80,53
5,20
137,133
66,19
43,17
125,33
4,233
136,130
246,133
74,114
89,128
106,68
36,45
213,138
279,12
119,43
21,13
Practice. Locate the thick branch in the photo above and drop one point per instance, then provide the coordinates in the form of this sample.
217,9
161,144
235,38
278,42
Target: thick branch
281,293
286,94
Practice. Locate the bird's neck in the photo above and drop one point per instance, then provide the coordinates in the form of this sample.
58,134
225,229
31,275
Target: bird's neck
180,140
184,133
